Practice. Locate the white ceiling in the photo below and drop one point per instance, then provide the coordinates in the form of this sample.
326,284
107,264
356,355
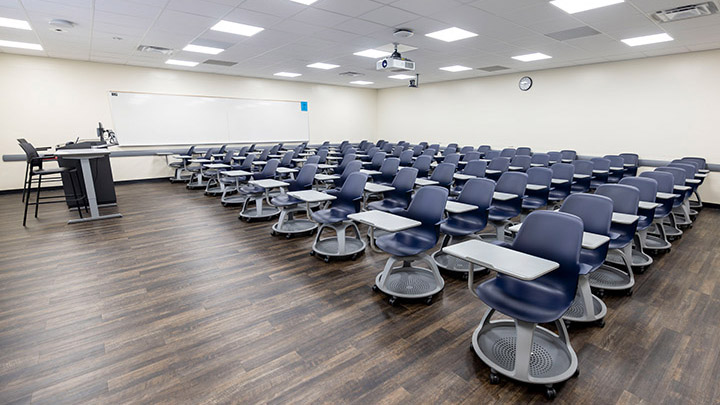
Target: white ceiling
331,31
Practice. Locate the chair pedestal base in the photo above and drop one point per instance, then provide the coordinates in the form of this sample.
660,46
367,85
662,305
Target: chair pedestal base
339,246
452,264
524,351
196,181
409,282
259,212
586,307
640,259
288,225
607,277
181,175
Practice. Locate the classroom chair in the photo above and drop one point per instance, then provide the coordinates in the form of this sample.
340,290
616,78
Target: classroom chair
511,346
196,170
377,161
657,237
349,201
470,156
466,149
497,167
681,209
287,224
399,198
492,154
617,168
406,158
537,189
561,182
460,226
508,153
540,160
411,245
582,176
352,167
257,194
286,160
567,155
631,163
520,163
213,186
422,164
388,170
601,171
473,168
180,166
346,160
417,150
595,211
503,209
443,174
648,192
625,201
555,157
523,151
452,158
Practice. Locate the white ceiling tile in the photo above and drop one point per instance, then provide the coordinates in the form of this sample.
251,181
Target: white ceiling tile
278,8
319,17
200,7
389,16
125,7
360,27
183,23
352,8
425,7
249,17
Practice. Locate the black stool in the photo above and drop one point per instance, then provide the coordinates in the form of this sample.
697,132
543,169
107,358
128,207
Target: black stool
35,169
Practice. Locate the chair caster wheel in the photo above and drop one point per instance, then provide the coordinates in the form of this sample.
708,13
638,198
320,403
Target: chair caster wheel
641,270
273,233
375,288
601,323
576,374
288,236
629,293
312,253
392,301
465,276
494,378
327,259
568,324
550,393
428,300
600,293
224,204
354,257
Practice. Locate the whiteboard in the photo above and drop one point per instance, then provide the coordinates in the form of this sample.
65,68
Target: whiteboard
142,119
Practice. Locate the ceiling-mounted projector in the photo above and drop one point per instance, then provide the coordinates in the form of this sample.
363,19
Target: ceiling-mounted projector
395,63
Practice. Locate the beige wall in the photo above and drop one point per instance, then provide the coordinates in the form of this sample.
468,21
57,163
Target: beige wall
49,101
661,108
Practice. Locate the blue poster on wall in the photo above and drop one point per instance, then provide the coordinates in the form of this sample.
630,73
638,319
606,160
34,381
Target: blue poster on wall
303,106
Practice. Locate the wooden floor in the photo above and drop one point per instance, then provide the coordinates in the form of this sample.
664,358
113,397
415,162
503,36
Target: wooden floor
179,302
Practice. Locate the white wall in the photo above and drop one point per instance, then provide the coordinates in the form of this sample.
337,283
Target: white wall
661,108
50,101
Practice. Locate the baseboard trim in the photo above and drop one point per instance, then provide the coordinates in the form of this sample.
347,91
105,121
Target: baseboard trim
117,183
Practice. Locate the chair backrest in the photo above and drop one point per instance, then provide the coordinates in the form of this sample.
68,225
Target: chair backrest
690,169
406,157
554,156
478,192
484,148
475,168
648,187
563,248
372,151
583,167
313,160
524,151
269,171
625,198
541,158
449,150
351,168
228,158
378,160
428,206
443,174
435,146
404,180
499,163
512,183
665,181
189,152
397,151
287,158
429,152
322,153
304,179
492,154
521,161
423,144
274,150
452,158
247,164
453,145
508,153
350,157
208,154
387,148
349,150
563,171
679,175
568,154
417,150
264,154
630,158
600,163
702,164
222,149
351,193
594,210
615,160
241,152
31,154
695,164
390,167
422,164
251,148
466,149
540,175
472,155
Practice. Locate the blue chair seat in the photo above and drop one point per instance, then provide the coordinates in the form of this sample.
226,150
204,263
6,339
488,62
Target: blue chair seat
643,223
285,200
511,296
499,214
533,203
250,189
457,225
618,241
334,192
557,194
331,215
590,261
406,243
387,205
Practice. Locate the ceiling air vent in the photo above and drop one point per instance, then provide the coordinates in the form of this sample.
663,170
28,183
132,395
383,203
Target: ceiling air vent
352,74
686,12
493,68
155,49
219,62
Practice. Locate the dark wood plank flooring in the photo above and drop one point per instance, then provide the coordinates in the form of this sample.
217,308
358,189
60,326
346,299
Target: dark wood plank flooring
179,302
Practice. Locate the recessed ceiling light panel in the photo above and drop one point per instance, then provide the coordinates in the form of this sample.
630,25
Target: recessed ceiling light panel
372,53
455,68
324,66
451,34
648,39
178,62
236,28
20,45
401,77
202,49
305,2
531,57
577,6
361,82
12,23
287,74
